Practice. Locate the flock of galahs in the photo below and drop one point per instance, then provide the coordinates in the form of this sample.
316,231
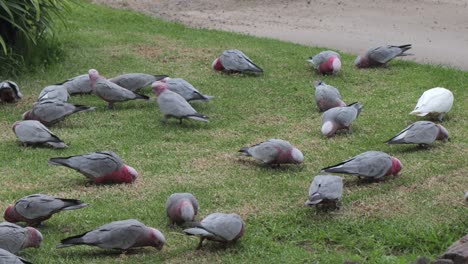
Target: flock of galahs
173,97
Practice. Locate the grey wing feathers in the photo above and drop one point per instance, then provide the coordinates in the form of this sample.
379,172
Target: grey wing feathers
322,57
92,164
421,132
32,131
236,60
173,104
11,237
386,53
225,226
9,258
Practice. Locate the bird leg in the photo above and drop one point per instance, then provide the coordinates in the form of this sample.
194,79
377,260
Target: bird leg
200,244
110,105
164,119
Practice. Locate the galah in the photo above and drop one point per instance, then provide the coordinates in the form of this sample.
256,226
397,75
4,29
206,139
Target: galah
181,208
77,85
111,92
274,151
183,88
33,132
234,61
435,103
338,118
136,81
36,208
223,228
14,238
121,235
172,104
381,55
327,96
49,112
7,257
466,198
54,92
371,164
99,167
325,190
9,92
421,132
326,62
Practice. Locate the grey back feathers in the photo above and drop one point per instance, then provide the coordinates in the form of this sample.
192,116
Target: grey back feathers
112,92
41,205
372,164
32,132
136,81
14,238
274,151
384,54
421,132
54,92
321,57
50,112
10,258
219,227
77,85
172,104
236,60
325,187
186,90
327,96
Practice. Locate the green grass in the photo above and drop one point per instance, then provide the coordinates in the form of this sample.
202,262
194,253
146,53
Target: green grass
419,213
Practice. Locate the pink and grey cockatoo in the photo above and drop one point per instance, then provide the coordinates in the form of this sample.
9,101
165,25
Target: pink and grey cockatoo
235,61
435,103
111,92
371,164
325,190
14,238
99,167
32,132
274,151
54,92
327,96
7,257
121,235
172,104
49,112
326,62
136,81
421,132
381,55
223,228
338,118
181,208
36,208
77,85
9,92
183,88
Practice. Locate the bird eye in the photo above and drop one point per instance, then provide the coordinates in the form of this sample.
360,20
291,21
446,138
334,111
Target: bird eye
319,185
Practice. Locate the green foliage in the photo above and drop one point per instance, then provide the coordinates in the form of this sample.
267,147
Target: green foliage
418,213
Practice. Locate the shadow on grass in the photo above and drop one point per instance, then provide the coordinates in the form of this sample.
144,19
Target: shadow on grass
254,163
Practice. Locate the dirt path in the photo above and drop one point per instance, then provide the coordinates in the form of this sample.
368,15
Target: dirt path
438,29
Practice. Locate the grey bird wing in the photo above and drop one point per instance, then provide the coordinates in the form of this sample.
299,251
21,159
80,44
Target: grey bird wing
321,57
32,131
54,92
52,111
135,81
265,151
421,132
236,60
374,164
176,197
328,186
384,54
225,226
111,92
9,258
12,237
171,103
185,89
93,164
345,116
77,85
119,235
38,205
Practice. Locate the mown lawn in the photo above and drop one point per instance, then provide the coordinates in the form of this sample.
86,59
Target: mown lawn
419,213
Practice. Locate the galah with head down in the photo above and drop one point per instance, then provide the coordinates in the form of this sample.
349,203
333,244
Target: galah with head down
49,112
121,235
36,208
235,61
181,208
32,132
7,257
172,104
421,132
77,85
327,96
183,88
14,238
136,81
381,55
325,190
219,227
99,167
371,164
54,92
274,151
338,118
111,92
435,103
9,92
326,62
